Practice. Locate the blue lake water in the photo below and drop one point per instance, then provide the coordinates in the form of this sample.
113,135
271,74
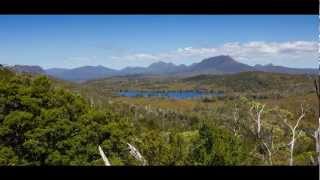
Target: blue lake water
170,94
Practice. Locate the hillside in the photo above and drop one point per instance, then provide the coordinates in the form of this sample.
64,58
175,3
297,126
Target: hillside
44,122
255,82
281,69
244,82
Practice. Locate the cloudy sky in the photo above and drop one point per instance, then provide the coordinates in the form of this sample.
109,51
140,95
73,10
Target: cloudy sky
131,40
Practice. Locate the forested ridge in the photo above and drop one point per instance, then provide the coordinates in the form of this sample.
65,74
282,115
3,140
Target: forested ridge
42,122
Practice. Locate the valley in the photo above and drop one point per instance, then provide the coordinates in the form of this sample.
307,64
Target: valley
167,131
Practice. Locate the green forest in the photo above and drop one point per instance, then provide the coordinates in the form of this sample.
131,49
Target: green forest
264,119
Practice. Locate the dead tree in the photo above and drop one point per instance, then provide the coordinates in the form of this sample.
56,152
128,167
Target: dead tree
91,103
269,147
103,156
294,136
235,120
133,151
136,154
255,112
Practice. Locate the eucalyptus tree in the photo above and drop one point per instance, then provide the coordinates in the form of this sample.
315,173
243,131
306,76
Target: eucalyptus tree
295,134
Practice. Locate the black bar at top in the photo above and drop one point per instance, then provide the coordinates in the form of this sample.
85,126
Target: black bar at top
159,6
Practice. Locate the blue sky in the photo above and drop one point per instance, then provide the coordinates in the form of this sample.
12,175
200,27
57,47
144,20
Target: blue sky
118,41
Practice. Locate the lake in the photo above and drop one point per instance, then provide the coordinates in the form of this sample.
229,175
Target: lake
169,94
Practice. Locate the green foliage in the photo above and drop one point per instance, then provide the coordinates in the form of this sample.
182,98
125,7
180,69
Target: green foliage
218,147
8,156
42,122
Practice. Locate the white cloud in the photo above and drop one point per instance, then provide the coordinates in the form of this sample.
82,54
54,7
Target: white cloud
295,53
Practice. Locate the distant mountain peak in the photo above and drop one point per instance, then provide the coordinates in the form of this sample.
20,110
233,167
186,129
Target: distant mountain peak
220,59
224,57
269,65
219,65
98,66
28,69
161,63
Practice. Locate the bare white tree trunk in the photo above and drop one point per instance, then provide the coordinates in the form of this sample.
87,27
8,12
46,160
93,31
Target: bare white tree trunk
269,146
259,120
136,154
269,153
236,120
104,158
256,116
293,134
91,102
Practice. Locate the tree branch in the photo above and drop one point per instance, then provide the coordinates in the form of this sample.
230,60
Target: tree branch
104,158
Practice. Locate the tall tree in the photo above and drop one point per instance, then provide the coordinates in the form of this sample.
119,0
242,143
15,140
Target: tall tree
294,134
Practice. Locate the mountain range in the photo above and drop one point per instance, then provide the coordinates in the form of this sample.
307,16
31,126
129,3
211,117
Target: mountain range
28,69
213,65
